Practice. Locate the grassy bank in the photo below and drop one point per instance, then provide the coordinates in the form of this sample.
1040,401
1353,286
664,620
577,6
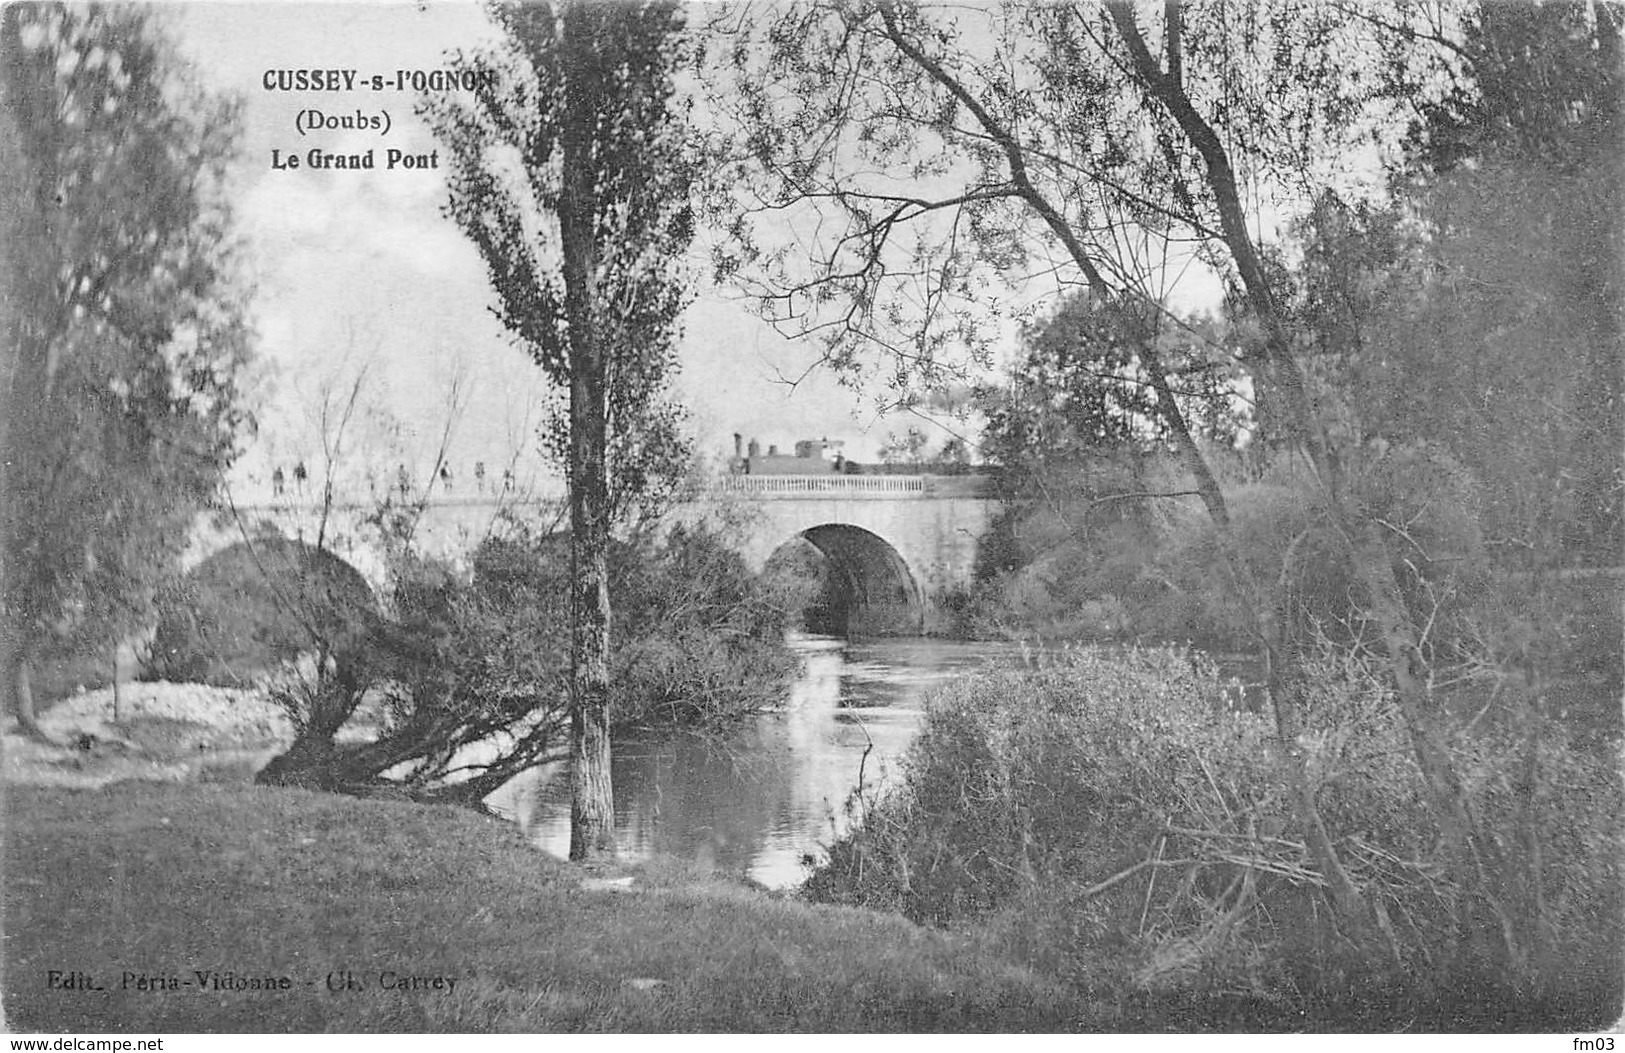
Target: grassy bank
168,880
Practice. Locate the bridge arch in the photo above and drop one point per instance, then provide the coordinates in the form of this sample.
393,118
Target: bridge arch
929,524
253,604
866,587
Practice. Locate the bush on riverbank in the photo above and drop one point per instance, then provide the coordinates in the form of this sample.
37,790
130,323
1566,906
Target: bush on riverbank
698,638
1124,824
1101,558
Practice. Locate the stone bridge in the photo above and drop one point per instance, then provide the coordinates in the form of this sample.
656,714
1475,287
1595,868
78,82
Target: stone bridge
890,545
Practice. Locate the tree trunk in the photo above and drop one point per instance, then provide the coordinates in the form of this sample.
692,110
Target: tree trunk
1467,853
1405,659
1287,691
1168,409
1271,624
1470,857
1278,647
592,797
117,701
22,696
309,763
592,801
314,759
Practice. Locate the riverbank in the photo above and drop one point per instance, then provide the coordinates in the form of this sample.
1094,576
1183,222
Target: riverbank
118,898
139,858
126,888
170,907
157,731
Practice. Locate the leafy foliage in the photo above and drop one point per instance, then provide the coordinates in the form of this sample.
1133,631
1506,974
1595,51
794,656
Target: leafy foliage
1433,378
124,406
1091,491
508,194
569,174
1539,82
699,640
1126,823
467,682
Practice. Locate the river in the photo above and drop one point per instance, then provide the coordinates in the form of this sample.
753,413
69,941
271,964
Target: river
764,799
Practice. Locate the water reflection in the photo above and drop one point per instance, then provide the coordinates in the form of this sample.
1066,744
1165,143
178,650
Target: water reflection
776,789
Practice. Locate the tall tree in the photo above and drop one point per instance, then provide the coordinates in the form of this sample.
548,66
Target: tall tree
1108,146
1076,432
1524,161
1047,144
569,172
127,326
1468,341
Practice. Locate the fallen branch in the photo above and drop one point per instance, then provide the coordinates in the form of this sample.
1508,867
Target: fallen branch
1122,876
1228,836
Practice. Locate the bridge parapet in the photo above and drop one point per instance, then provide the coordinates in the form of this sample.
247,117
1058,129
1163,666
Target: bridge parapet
898,540
883,487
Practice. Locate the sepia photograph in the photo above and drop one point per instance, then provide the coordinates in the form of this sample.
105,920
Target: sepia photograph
812,516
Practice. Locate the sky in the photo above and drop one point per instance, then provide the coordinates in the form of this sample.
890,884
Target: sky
358,270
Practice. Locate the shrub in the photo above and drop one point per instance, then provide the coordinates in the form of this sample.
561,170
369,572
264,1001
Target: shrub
1069,769
1104,570
698,638
1119,819
471,674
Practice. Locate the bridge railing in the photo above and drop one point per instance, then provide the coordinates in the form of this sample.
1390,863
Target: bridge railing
940,486
821,484
879,486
